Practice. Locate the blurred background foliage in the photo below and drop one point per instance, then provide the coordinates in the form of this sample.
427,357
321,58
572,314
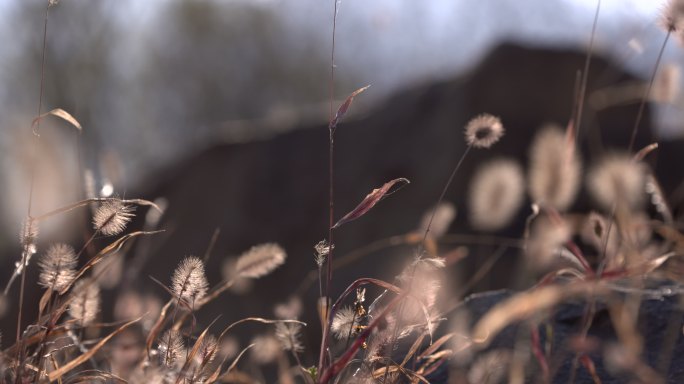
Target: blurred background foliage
155,81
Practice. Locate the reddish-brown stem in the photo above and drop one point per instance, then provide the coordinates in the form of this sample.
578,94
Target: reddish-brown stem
341,362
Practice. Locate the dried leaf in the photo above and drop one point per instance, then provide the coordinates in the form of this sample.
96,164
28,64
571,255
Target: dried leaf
344,107
215,376
526,304
83,203
113,247
370,200
157,327
58,373
193,352
62,114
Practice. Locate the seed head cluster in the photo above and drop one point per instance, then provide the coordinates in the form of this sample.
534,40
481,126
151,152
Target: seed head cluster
111,218
189,281
57,267
483,131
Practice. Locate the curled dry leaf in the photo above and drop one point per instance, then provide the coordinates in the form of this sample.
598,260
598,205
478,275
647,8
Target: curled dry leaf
62,114
370,200
342,110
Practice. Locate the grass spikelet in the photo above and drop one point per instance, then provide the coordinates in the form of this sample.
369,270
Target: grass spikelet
260,260
29,232
189,281
617,179
344,320
85,303
445,213
672,16
322,249
555,170
496,193
291,309
171,348
546,241
666,84
288,334
266,349
208,349
483,131
111,218
58,267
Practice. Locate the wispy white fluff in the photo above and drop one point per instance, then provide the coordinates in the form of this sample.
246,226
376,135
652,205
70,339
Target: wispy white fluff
57,267
483,131
617,179
85,303
189,280
260,260
111,218
555,169
496,193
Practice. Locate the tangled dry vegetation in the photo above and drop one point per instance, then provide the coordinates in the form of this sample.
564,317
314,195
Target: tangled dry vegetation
393,336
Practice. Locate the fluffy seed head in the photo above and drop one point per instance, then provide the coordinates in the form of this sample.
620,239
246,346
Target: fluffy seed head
288,335
496,193
57,267
189,282
266,349
260,260
322,249
555,169
667,84
208,350
617,179
291,309
444,215
342,323
111,218
483,131
546,242
672,16
85,303
29,232
171,347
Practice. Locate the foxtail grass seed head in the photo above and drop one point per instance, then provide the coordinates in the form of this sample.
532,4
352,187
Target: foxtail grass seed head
85,303
345,320
189,281
672,16
667,84
208,350
322,249
241,285
288,334
546,242
483,131
266,349
617,179
29,232
496,193
444,216
289,310
555,170
171,348
111,218
260,260
57,267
